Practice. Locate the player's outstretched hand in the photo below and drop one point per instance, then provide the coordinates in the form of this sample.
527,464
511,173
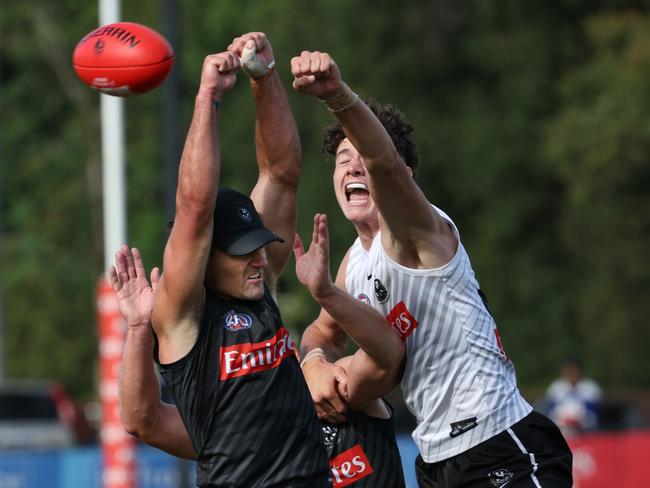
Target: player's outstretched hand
317,74
255,52
313,266
129,281
219,73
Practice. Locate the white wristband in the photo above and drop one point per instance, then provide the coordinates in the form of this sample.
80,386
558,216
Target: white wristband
316,352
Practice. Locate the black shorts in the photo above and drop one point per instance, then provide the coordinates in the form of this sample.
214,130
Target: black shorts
530,454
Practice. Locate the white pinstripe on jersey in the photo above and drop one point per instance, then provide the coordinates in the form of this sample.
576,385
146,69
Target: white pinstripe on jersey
455,369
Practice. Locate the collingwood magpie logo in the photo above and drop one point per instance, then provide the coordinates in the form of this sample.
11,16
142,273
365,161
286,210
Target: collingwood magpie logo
500,477
330,432
244,214
380,291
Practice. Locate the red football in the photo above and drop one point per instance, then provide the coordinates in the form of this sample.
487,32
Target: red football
123,59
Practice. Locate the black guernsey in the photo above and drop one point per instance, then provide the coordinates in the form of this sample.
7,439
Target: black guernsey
363,452
244,401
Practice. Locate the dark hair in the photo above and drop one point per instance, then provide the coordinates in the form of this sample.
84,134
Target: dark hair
399,129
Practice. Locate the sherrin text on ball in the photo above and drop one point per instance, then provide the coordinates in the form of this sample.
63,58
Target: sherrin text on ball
123,59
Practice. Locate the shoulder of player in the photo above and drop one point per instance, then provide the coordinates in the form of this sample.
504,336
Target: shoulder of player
422,246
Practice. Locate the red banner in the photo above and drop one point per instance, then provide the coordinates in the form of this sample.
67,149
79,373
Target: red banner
611,460
118,447
350,466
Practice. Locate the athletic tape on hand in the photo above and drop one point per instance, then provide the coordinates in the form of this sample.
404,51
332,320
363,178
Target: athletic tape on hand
253,66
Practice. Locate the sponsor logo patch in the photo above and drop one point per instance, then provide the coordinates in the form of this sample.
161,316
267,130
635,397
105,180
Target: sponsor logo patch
380,291
350,466
500,477
234,321
458,428
402,320
248,358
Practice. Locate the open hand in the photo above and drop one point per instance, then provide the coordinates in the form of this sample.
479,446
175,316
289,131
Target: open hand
129,281
313,266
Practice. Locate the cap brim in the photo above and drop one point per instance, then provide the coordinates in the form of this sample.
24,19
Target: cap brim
251,242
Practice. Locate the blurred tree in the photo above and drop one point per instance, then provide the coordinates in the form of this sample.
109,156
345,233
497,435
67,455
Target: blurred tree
599,146
51,191
530,119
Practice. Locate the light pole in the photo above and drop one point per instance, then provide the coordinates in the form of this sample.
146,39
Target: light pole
118,448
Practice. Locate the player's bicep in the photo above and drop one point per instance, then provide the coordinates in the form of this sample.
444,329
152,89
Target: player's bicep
275,201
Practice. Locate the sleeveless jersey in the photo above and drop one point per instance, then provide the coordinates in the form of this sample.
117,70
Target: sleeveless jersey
457,382
363,452
244,401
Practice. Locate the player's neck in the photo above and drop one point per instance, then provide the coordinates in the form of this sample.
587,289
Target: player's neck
366,232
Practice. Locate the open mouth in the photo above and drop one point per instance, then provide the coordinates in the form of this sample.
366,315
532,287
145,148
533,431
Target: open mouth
356,193
255,276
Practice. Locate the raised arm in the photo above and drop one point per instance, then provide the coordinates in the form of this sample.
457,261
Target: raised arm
412,232
180,295
376,368
277,147
142,412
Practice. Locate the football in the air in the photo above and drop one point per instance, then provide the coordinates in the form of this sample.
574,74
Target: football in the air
123,59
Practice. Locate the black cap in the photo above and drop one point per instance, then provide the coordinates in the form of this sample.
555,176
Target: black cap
238,228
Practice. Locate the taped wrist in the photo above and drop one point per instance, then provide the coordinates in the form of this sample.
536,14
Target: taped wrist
253,67
343,100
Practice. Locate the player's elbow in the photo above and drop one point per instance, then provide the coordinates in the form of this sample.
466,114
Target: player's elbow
194,204
383,159
287,175
138,423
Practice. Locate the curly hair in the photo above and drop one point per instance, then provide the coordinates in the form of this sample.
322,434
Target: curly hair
395,124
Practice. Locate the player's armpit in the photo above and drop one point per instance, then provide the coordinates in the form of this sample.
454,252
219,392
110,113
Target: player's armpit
176,335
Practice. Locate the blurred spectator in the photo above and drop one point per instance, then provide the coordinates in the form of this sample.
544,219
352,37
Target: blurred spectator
573,402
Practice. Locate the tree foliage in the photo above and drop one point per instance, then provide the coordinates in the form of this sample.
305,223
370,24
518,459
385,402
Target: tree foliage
532,123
